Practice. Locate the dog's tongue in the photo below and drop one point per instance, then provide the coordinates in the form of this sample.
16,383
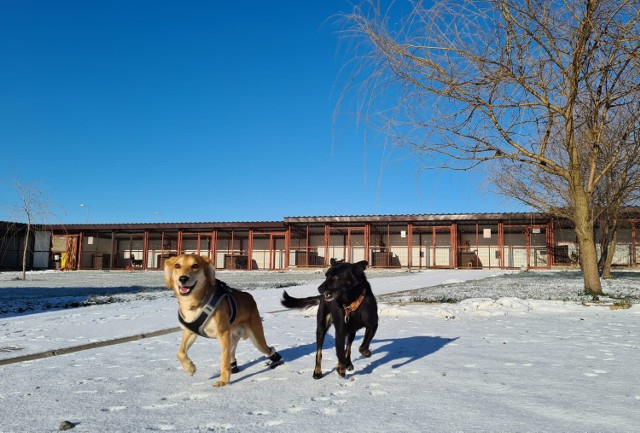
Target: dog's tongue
184,289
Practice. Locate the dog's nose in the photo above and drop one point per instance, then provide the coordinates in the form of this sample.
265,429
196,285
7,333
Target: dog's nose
183,279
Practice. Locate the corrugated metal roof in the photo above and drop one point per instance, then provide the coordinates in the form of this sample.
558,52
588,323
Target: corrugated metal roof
12,224
418,217
165,225
631,211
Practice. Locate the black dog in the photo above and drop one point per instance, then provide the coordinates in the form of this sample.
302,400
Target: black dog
346,300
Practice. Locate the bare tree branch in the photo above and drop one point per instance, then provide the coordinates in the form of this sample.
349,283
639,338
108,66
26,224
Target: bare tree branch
528,87
32,208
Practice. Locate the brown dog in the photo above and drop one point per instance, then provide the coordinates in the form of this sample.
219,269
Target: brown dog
209,308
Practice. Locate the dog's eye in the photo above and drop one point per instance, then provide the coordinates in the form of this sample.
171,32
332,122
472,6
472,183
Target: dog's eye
195,266
176,266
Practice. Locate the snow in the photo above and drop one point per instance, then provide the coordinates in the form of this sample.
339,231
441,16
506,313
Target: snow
456,351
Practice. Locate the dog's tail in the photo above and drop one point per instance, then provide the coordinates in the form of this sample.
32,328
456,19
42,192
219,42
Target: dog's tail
291,302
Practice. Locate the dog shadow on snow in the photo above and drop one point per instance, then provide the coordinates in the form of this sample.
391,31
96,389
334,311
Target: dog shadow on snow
399,352
396,352
288,354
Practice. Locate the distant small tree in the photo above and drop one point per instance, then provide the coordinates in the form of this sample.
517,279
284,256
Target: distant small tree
32,208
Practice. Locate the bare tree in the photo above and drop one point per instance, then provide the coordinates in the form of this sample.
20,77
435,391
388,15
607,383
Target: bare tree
32,208
618,188
505,80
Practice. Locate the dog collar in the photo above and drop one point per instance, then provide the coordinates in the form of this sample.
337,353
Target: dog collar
198,324
348,309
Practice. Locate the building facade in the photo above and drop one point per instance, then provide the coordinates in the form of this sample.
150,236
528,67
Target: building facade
12,246
475,241
12,237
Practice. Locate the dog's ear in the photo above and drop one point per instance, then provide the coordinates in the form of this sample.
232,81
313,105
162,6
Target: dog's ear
333,262
209,270
361,265
168,269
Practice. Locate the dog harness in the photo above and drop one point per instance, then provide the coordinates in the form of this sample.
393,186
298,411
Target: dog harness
198,324
348,309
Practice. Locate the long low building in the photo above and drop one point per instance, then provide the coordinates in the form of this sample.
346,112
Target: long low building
487,240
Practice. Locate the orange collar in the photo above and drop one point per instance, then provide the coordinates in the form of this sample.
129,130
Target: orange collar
348,309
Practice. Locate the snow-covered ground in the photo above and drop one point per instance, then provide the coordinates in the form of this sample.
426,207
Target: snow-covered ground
456,351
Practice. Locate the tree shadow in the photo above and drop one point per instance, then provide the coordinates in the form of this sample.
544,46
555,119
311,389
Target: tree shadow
23,301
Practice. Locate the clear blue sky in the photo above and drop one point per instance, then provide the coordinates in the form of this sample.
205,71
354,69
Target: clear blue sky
173,111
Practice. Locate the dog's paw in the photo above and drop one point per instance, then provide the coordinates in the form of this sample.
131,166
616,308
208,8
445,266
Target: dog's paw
220,383
273,365
317,373
189,367
349,367
341,370
234,368
365,352
274,360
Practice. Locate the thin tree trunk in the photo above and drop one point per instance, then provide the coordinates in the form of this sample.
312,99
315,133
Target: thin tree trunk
24,252
611,250
603,238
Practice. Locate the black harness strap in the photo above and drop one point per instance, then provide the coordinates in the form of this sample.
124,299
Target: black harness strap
198,324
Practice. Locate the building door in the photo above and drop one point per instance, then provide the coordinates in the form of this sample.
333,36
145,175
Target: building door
348,244
538,251
267,251
442,248
432,247
65,252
